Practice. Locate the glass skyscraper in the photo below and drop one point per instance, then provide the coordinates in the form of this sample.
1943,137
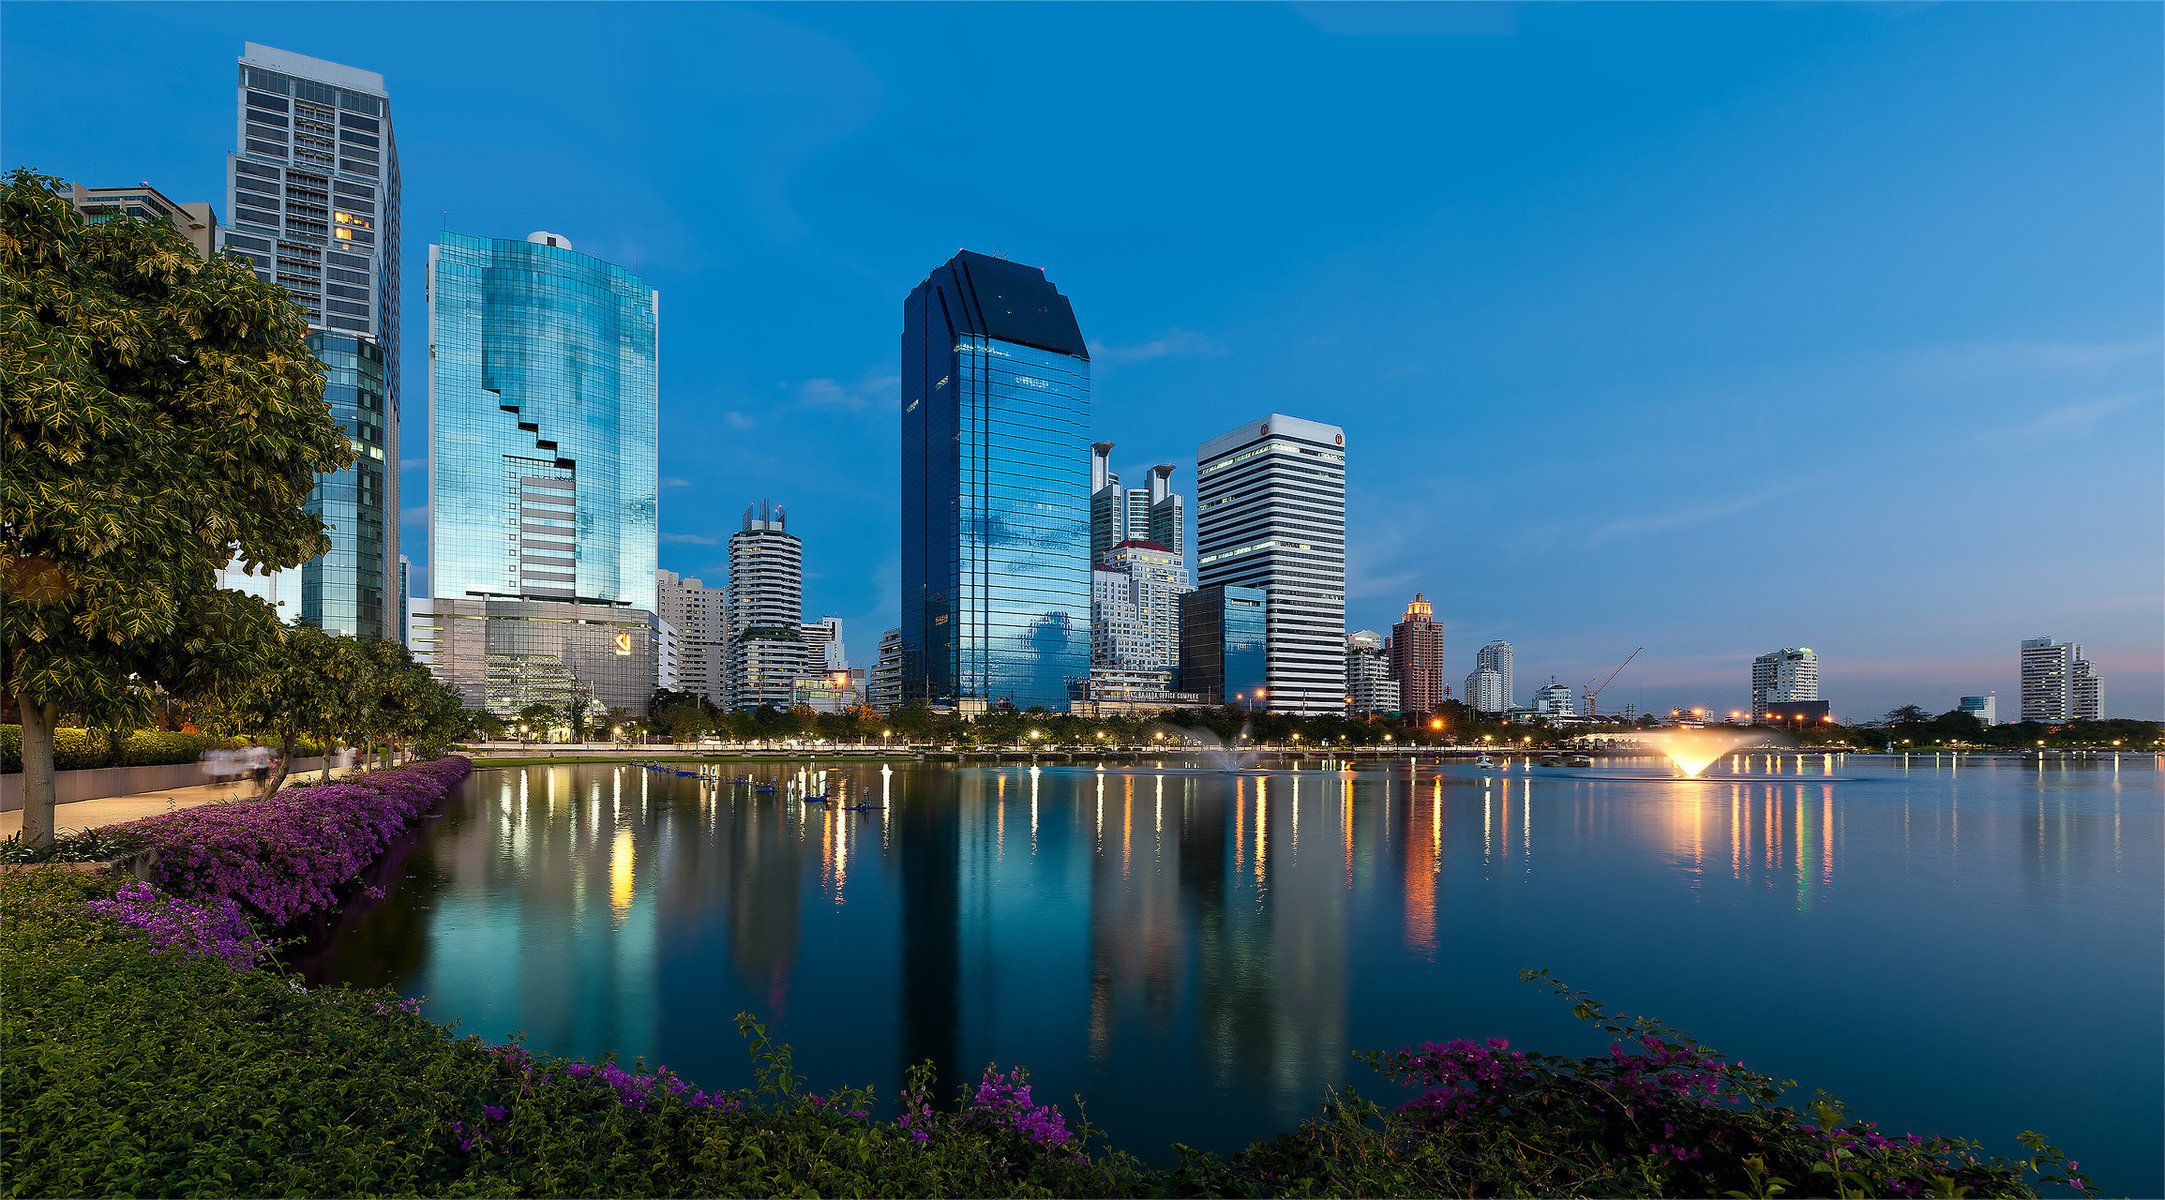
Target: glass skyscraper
542,456
995,487
313,192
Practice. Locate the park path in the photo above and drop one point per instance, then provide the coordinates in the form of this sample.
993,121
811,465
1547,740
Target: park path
114,810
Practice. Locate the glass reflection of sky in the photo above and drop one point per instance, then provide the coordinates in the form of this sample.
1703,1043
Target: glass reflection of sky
1198,953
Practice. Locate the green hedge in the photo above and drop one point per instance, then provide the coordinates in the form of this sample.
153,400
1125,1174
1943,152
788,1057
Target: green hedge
79,749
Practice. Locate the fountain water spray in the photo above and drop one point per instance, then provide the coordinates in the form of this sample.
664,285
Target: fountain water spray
1225,756
1694,750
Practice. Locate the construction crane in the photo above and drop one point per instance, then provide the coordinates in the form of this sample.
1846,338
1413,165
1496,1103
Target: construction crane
1592,692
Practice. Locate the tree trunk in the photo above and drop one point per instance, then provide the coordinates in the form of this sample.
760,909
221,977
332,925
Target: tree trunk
277,778
38,794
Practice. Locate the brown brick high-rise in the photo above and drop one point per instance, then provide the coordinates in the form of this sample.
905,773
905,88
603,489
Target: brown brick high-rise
1417,657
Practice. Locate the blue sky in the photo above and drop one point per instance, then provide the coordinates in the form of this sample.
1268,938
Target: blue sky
1706,328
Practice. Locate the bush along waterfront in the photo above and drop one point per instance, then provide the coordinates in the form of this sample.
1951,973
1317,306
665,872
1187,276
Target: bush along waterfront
157,1045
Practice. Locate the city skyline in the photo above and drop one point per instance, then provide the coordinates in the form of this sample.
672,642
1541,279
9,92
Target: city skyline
1983,388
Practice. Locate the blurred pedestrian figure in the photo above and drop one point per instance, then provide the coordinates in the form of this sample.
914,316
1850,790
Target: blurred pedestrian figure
259,762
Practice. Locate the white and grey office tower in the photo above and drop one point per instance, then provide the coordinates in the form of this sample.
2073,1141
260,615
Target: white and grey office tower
1270,513
768,653
1489,684
1783,676
312,191
2058,683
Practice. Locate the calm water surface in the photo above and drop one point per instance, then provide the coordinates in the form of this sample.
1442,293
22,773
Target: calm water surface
1969,948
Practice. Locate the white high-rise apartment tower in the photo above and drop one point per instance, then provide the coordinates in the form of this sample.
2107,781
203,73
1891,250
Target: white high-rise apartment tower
767,650
700,617
2058,683
1271,514
1491,693
1783,677
1369,686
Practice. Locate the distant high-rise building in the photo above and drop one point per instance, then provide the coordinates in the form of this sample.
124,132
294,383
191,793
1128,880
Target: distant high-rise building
542,457
405,600
143,202
824,639
1146,514
1416,656
1985,708
1497,695
1486,693
884,692
1369,686
1224,643
2086,693
1554,701
668,651
995,487
313,192
767,649
1271,514
1135,609
700,616
2058,684
1783,677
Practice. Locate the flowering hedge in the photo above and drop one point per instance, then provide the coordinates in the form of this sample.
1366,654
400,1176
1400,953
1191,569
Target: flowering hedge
295,853
80,749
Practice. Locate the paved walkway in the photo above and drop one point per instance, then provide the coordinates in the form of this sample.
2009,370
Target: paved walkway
113,810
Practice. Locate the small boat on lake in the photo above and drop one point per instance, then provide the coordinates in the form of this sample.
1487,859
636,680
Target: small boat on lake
1485,763
1579,760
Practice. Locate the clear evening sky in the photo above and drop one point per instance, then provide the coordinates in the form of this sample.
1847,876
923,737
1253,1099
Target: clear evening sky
1713,329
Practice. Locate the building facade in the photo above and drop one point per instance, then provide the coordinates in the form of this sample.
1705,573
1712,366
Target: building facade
1224,643
1135,609
1271,514
1369,686
700,616
312,190
883,690
824,636
1783,677
542,456
1554,702
1985,708
503,654
195,219
1416,657
995,497
768,652
1146,514
1495,657
1486,692
2058,683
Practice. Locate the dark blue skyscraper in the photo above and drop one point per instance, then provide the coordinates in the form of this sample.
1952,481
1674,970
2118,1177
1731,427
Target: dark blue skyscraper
995,487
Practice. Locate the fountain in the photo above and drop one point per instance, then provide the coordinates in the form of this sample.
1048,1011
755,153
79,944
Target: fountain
1694,750
1224,757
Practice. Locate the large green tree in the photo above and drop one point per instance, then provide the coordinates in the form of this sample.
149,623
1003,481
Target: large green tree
162,414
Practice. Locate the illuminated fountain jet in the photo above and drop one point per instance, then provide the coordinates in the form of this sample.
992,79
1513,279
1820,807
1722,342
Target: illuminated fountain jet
1694,750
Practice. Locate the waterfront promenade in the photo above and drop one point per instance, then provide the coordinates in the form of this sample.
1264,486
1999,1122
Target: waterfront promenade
115,810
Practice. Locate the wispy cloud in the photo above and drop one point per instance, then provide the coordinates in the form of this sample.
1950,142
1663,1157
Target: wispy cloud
737,420
1173,343
872,391
2068,420
675,481
413,514
1999,359
1695,515
691,539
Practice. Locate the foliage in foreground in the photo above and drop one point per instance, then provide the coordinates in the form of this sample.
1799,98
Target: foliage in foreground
80,749
144,1055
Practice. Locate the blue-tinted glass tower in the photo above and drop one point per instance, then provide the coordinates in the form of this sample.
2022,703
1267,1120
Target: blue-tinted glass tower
1224,644
995,487
542,439
542,447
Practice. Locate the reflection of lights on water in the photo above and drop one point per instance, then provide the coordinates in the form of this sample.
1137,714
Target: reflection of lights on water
620,873
1262,821
1240,823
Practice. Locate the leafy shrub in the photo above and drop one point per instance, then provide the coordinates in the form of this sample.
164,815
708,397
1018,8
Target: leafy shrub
295,853
84,749
102,844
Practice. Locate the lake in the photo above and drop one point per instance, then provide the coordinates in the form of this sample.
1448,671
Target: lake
1971,946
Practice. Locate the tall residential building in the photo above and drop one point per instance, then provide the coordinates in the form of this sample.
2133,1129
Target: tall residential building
1271,514
884,691
542,455
767,650
2086,701
146,203
313,193
2058,683
1783,677
1224,643
1135,609
1985,708
1369,686
1486,692
700,616
1496,696
1416,657
824,641
1146,514
995,487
